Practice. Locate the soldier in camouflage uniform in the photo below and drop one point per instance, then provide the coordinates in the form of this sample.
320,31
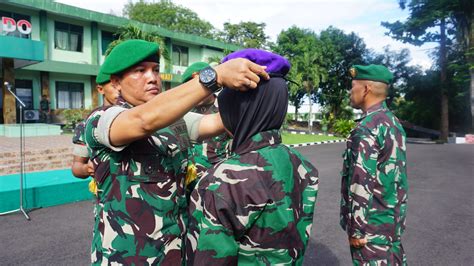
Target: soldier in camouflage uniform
139,151
81,166
206,153
374,177
257,206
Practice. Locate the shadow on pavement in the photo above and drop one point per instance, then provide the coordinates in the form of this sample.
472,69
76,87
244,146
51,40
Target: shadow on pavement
319,254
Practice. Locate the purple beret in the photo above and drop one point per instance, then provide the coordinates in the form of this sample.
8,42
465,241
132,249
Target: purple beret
276,64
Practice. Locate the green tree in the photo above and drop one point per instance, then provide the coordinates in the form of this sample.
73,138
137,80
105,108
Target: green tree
341,51
458,80
166,14
418,106
434,21
422,92
246,34
304,51
130,31
397,62
290,45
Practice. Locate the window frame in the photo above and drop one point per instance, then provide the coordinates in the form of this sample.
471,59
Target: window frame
181,50
69,87
112,38
69,29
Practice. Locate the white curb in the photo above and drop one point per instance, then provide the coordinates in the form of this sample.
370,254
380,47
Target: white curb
305,133
315,143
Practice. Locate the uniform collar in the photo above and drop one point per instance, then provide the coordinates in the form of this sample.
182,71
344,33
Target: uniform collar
122,103
259,140
381,106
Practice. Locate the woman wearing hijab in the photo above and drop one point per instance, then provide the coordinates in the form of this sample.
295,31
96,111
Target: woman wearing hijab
257,206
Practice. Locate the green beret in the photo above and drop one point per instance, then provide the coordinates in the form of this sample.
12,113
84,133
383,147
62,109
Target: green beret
102,78
128,54
371,72
196,67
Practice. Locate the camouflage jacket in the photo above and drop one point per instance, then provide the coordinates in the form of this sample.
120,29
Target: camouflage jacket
80,147
210,151
255,207
141,206
374,178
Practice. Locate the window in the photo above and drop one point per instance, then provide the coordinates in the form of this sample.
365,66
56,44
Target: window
69,95
107,38
24,91
68,37
16,17
180,55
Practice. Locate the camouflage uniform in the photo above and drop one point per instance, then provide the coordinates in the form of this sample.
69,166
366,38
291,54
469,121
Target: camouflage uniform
374,188
206,154
141,206
255,207
80,148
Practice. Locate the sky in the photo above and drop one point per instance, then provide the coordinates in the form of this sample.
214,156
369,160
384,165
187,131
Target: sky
360,16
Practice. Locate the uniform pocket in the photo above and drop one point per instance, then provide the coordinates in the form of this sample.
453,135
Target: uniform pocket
150,168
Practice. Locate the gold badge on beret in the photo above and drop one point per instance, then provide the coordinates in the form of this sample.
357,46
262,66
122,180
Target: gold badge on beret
353,72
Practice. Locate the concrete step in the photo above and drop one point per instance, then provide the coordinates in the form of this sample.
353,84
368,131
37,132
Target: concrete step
37,160
32,153
33,167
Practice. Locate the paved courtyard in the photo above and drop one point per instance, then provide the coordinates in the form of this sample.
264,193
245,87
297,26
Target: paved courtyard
440,223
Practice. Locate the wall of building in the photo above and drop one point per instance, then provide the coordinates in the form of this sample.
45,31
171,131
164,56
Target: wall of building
194,53
206,53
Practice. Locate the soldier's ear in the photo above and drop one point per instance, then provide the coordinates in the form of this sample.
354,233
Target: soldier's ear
100,89
115,80
367,88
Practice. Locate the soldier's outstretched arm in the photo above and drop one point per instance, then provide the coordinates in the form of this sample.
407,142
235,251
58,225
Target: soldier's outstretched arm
211,126
169,106
363,179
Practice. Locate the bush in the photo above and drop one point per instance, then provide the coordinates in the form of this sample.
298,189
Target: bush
286,122
74,116
343,127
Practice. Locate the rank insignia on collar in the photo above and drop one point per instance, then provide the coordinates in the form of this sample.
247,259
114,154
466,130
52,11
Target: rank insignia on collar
353,72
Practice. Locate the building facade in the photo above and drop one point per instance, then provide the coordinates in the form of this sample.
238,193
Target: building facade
53,49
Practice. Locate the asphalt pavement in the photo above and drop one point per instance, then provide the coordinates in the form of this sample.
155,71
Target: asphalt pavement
440,224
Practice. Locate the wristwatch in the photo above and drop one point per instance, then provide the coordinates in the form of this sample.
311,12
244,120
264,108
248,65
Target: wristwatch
208,78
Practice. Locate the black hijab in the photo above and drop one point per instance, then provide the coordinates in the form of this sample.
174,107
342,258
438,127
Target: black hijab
245,114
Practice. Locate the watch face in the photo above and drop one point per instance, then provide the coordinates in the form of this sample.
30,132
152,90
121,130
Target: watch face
207,75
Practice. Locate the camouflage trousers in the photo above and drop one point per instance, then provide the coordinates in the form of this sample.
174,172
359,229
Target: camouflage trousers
379,255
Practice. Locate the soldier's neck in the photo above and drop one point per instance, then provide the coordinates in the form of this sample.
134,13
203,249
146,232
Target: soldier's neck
369,102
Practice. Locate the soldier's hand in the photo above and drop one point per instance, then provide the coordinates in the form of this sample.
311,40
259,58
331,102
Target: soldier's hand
240,74
357,243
